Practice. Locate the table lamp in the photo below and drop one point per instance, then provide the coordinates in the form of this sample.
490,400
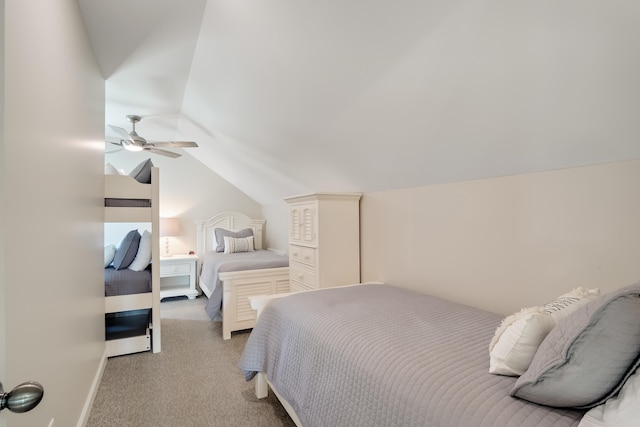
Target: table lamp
169,227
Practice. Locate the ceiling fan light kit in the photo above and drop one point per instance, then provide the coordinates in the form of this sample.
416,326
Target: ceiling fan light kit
131,141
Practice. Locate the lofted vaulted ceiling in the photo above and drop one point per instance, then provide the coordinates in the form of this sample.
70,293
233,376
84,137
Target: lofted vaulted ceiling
289,96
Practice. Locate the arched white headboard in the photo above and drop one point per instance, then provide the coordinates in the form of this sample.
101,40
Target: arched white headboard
234,221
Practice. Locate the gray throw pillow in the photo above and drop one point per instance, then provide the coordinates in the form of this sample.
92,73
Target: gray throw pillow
221,232
126,252
587,357
142,172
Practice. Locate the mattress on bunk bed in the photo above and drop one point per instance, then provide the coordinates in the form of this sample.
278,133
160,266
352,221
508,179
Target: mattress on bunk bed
378,355
126,282
219,262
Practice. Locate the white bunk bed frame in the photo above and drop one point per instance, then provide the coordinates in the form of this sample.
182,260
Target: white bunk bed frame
238,286
126,187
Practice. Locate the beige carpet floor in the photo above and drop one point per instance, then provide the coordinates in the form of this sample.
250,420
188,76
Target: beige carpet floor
194,381
183,308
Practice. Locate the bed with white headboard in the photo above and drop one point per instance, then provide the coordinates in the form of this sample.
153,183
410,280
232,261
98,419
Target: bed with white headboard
229,279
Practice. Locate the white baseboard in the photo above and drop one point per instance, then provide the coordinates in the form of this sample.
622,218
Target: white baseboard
93,391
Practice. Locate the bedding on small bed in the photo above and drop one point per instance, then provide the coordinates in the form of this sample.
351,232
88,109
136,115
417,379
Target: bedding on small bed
126,282
219,262
378,355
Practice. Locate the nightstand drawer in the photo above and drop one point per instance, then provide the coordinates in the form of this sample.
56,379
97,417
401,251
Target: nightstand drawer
174,269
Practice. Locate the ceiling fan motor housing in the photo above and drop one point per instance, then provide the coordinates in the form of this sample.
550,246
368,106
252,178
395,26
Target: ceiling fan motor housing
134,118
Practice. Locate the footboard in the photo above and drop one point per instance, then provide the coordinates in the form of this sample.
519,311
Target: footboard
238,286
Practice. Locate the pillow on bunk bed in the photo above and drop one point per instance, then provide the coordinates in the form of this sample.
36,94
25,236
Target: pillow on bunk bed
109,169
109,254
518,337
242,244
142,172
220,233
143,256
127,250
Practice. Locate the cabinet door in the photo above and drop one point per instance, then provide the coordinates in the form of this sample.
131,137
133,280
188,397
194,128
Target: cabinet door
302,224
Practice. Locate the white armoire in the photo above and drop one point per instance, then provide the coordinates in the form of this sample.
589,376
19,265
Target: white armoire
324,240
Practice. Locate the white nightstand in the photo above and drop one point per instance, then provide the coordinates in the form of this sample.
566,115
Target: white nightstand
178,276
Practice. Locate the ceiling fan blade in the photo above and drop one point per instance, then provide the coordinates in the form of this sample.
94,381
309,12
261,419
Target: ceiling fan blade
123,134
113,151
162,152
114,141
175,144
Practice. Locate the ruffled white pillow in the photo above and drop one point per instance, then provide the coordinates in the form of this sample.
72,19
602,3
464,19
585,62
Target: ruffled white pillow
518,337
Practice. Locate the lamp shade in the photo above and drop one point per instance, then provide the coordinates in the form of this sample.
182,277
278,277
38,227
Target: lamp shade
169,227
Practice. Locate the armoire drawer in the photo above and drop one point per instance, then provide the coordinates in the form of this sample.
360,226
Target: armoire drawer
303,275
302,254
295,286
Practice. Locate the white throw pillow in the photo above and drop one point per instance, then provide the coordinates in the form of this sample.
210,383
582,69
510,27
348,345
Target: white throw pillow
620,411
518,337
143,257
238,244
109,169
109,254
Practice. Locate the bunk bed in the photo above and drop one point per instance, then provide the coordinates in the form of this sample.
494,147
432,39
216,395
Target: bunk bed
229,279
132,316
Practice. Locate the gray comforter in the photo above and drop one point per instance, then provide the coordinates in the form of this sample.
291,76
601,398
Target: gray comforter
126,282
377,355
218,262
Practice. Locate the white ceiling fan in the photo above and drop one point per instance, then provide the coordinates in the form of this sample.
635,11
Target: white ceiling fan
131,141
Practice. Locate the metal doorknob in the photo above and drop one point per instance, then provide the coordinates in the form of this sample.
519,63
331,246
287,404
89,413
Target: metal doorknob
24,397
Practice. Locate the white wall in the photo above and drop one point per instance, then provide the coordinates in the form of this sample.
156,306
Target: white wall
51,223
277,226
189,191
511,242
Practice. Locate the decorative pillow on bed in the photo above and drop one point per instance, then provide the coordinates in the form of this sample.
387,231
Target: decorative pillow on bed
127,250
586,358
143,256
109,254
620,411
220,233
142,172
518,337
240,244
